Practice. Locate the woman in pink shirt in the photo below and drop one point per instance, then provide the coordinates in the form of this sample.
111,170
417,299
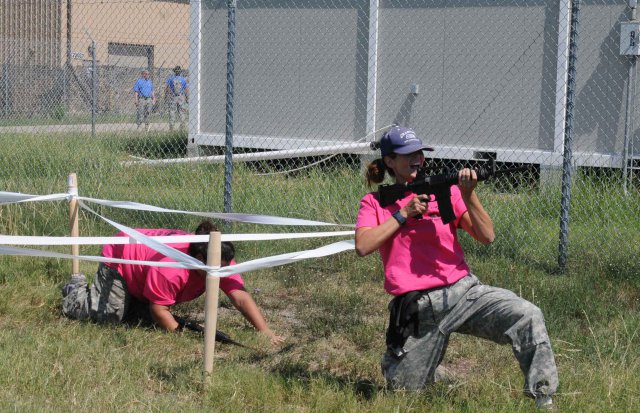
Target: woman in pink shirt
434,291
120,290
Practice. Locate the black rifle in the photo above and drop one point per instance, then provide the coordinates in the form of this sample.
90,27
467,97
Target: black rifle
220,336
440,186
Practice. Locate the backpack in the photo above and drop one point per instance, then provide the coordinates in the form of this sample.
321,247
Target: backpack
176,86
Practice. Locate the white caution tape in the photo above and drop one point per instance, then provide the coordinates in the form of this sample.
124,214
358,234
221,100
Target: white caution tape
249,218
151,243
244,267
283,259
182,260
171,239
14,197
40,253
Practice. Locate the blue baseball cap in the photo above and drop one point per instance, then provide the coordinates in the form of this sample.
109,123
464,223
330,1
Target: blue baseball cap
401,141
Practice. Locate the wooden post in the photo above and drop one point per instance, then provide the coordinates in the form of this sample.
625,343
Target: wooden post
211,301
72,189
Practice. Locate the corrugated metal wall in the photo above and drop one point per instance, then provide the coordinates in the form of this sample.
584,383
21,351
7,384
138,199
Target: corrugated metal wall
301,69
486,71
491,75
31,32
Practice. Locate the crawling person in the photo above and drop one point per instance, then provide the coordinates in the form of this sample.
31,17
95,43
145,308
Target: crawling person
119,288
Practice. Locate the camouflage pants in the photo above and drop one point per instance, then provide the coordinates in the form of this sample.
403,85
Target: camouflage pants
177,109
469,307
145,106
106,301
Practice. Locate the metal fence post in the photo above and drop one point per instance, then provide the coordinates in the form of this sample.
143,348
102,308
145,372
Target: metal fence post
567,156
6,89
628,116
228,151
628,123
68,67
94,88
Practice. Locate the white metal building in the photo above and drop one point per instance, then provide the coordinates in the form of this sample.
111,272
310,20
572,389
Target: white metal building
469,76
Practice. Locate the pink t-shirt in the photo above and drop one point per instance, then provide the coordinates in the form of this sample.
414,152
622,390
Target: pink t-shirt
159,285
423,253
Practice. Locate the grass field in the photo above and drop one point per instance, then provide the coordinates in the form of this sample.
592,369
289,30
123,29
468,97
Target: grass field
75,120
332,310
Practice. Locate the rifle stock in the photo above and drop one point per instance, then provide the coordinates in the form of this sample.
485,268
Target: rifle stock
439,186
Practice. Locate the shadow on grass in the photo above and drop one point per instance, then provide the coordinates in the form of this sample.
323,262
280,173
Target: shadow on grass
363,388
175,374
158,146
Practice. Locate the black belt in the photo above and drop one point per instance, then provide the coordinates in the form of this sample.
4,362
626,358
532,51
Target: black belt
145,97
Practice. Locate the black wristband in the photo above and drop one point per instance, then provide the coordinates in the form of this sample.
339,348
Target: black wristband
398,216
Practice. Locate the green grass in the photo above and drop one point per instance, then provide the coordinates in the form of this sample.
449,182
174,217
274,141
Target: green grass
59,118
332,310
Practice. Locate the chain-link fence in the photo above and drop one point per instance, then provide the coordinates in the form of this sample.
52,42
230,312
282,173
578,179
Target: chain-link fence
300,88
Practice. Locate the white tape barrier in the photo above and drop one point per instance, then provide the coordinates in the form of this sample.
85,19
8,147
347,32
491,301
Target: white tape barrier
191,262
244,267
288,258
163,249
248,218
40,253
182,260
172,239
14,197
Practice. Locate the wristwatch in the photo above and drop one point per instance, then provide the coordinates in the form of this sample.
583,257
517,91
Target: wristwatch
398,216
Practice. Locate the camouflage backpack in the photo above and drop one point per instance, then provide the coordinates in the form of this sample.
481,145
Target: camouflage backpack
176,86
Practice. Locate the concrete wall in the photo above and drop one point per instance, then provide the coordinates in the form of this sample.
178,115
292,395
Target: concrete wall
34,32
162,25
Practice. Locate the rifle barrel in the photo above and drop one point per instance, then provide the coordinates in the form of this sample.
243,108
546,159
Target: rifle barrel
484,174
388,194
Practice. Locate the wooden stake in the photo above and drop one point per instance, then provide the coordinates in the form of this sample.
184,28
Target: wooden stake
211,301
72,189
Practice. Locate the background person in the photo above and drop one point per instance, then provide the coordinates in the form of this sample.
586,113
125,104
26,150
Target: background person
435,294
176,94
144,98
118,288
